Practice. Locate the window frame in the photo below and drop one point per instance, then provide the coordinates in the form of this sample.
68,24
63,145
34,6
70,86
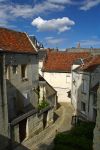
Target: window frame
83,107
84,86
24,72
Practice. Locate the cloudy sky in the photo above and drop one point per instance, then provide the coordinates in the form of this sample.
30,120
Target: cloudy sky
55,23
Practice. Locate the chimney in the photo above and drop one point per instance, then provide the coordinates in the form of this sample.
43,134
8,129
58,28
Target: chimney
78,45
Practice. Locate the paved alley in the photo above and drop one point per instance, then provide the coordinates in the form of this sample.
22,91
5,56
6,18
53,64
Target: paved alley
44,140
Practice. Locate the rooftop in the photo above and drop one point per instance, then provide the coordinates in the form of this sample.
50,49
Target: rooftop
91,63
13,41
61,61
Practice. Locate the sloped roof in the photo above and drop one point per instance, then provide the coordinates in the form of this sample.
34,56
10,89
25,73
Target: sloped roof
61,61
42,79
91,63
13,41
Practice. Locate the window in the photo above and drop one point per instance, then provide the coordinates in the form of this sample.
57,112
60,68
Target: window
7,71
24,71
14,69
84,86
67,79
26,100
95,99
83,106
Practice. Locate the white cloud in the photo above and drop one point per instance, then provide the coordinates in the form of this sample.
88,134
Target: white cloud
88,4
10,11
61,1
60,24
54,41
27,11
90,42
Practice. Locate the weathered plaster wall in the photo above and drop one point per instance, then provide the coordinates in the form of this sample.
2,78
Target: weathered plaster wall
61,82
78,96
96,140
17,88
3,107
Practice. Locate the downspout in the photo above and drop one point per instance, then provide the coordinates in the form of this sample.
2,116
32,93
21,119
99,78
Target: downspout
89,94
4,91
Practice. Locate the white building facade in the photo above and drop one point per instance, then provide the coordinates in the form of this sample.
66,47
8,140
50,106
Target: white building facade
83,93
57,71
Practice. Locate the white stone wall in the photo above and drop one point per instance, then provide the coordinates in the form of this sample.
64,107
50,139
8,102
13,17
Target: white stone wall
40,67
78,96
96,141
61,82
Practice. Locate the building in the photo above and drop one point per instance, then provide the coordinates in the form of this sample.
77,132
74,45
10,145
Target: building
20,97
19,78
85,79
57,71
96,140
48,96
47,92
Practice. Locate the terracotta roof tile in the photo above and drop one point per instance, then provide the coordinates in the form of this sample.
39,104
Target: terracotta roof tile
13,41
91,63
61,61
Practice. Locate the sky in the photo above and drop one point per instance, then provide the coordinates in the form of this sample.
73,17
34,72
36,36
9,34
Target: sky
55,23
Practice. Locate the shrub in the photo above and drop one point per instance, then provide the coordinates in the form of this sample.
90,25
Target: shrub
79,138
43,104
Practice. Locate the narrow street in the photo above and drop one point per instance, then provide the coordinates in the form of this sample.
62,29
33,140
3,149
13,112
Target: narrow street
44,140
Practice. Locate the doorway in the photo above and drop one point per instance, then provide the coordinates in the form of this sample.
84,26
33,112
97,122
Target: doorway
94,115
45,119
22,129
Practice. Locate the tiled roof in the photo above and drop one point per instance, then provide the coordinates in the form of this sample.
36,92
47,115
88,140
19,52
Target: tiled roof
61,61
91,63
13,41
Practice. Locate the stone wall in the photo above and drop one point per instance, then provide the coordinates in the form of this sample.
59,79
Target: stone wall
21,92
3,107
96,140
61,82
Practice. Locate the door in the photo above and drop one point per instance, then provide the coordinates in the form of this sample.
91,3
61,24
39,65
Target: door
22,130
45,119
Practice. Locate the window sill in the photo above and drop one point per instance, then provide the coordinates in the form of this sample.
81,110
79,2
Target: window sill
24,79
83,112
83,93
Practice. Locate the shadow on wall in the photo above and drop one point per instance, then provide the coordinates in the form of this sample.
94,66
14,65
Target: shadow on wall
5,144
19,103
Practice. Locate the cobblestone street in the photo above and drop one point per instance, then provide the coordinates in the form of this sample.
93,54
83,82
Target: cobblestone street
44,140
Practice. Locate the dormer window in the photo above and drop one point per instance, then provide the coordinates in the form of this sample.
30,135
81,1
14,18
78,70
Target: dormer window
24,71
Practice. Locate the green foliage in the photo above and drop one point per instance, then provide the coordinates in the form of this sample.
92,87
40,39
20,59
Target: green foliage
79,138
43,104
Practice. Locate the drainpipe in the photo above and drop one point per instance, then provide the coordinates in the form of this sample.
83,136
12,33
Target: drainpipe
89,94
10,137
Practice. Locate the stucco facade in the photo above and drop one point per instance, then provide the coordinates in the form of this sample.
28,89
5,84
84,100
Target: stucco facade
61,82
3,107
82,95
47,92
96,140
21,77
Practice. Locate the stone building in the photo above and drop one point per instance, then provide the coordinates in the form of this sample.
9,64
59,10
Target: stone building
20,117
57,71
47,92
85,79
19,76
96,140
